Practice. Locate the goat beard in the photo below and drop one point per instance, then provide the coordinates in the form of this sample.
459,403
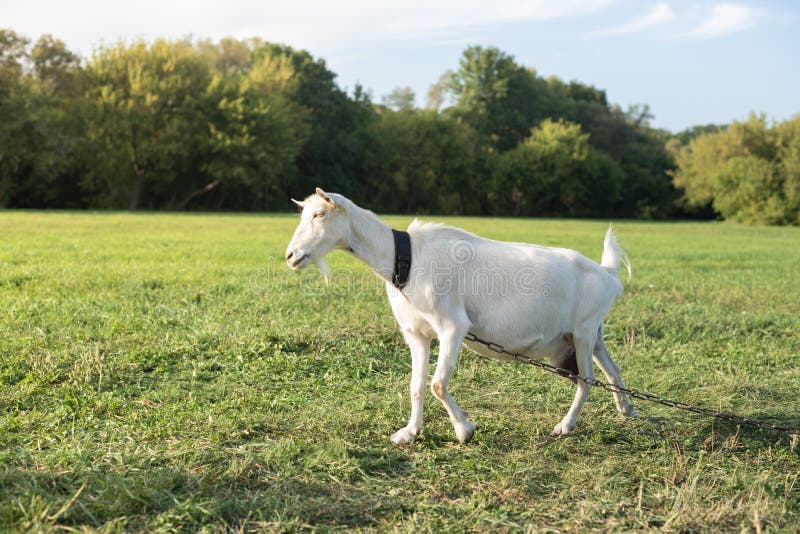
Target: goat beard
325,270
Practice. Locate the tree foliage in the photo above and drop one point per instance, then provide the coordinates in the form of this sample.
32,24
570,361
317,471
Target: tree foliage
39,129
255,133
566,174
142,112
246,124
428,162
497,97
16,120
746,172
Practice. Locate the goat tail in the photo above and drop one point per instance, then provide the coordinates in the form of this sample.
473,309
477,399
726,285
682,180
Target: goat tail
613,255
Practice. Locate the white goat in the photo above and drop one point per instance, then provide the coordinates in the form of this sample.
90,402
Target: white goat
547,303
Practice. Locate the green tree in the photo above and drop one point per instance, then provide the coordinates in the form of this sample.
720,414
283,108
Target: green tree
556,171
498,97
700,161
142,113
429,162
787,136
748,189
400,99
17,123
504,100
255,134
53,177
684,137
747,172
55,66
332,153
439,92
229,56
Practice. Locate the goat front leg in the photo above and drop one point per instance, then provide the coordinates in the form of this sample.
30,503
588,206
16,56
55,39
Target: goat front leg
583,355
420,355
449,345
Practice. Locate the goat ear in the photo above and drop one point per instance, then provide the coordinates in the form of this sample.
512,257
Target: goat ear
324,196
300,205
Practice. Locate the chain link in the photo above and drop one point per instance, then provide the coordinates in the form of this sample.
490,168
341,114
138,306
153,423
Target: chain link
636,394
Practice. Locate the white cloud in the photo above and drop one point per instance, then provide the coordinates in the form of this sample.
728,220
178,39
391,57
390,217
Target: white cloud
320,25
415,16
660,14
724,19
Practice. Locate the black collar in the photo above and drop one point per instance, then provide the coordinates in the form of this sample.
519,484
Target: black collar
402,258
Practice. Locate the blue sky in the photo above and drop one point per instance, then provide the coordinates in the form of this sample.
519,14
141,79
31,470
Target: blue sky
693,62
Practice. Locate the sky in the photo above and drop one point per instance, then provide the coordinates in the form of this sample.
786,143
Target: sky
693,62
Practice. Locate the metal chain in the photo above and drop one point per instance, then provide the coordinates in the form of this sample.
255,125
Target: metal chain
636,394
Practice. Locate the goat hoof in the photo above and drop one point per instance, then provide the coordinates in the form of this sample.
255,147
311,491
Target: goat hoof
465,431
561,429
404,436
627,409
630,411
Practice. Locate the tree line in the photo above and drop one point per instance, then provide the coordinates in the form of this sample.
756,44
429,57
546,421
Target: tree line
247,124
747,172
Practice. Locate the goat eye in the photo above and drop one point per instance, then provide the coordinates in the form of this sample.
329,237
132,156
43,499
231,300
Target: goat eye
319,214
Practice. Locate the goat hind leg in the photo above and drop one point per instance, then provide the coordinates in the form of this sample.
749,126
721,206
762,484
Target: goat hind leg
612,372
583,355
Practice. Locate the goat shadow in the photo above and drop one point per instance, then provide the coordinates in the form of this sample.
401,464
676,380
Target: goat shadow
707,432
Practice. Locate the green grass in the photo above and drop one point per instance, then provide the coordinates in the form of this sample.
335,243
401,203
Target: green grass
167,373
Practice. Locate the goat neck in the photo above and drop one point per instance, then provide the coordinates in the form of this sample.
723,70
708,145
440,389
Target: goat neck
372,242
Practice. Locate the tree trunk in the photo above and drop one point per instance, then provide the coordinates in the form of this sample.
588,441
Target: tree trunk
5,185
138,172
516,198
136,193
220,201
206,189
484,201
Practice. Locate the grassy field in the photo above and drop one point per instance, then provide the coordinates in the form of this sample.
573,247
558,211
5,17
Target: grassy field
167,373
